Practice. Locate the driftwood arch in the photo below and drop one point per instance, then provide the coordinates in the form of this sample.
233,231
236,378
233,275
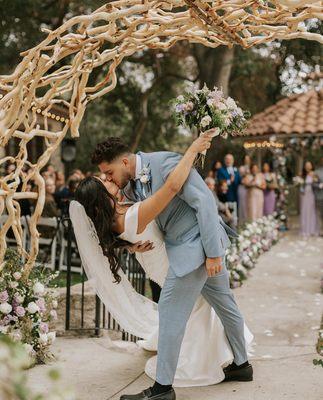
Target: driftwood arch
40,81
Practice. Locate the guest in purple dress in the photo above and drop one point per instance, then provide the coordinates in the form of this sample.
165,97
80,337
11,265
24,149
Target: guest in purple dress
269,193
308,212
244,170
256,184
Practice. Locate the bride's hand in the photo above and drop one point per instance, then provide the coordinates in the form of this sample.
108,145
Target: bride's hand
140,247
202,143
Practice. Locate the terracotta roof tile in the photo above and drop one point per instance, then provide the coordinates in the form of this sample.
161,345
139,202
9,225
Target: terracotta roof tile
298,113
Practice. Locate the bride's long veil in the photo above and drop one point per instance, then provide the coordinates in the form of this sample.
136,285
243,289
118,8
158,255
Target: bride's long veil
135,313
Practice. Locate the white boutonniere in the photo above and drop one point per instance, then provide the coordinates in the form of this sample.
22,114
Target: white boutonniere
145,177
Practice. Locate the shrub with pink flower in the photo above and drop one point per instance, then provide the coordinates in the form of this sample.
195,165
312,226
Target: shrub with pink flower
27,306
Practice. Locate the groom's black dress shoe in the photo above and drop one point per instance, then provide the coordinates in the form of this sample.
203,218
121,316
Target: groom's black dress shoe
236,373
147,395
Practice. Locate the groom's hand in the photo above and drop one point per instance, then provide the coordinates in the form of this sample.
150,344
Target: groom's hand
140,247
213,265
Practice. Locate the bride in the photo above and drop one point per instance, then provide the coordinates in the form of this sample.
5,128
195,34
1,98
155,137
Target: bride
102,225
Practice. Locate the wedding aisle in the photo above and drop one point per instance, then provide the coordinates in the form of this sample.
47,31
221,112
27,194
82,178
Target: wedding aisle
281,304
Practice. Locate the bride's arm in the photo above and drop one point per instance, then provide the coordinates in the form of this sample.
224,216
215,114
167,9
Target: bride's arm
150,208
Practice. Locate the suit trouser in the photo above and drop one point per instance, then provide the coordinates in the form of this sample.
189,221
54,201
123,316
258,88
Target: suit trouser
176,303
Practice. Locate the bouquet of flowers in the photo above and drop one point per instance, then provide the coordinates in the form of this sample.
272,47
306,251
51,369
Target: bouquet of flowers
27,307
298,181
206,109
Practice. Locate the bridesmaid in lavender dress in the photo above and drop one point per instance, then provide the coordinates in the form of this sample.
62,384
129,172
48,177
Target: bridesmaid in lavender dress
242,191
256,184
308,213
269,193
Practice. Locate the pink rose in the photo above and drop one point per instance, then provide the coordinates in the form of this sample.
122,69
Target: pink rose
4,296
44,327
20,311
41,304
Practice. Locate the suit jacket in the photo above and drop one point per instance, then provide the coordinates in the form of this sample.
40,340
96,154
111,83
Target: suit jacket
223,175
191,224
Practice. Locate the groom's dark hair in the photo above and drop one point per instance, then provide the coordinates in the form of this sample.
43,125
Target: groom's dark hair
109,150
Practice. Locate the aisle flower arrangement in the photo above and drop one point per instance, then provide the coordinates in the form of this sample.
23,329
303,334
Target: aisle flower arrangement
27,307
256,238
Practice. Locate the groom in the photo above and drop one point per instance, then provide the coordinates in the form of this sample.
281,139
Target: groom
196,241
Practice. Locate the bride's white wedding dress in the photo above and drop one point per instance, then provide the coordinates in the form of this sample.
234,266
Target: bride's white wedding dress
205,348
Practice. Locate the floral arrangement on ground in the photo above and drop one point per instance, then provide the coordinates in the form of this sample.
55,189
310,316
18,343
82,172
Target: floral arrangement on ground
254,239
27,306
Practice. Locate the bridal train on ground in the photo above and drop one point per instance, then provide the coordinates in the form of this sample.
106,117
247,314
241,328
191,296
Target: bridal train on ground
205,348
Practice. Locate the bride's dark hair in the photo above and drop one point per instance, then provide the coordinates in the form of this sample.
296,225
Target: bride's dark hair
100,206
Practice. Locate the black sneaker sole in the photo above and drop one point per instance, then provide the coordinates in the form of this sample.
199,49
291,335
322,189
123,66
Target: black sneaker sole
237,379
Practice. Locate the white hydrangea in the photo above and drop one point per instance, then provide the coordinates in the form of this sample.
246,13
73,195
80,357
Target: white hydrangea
32,307
5,308
231,103
39,288
205,121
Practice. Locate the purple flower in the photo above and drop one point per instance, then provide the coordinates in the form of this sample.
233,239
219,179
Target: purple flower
4,296
6,320
20,311
179,107
44,327
41,304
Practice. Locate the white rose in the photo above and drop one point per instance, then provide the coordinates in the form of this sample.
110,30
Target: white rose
5,308
51,336
32,307
55,303
19,299
43,338
17,275
205,121
222,106
39,288
231,103
13,285
144,179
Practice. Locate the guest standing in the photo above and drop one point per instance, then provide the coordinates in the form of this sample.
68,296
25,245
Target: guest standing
50,209
256,184
308,213
318,191
230,174
222,207
271,186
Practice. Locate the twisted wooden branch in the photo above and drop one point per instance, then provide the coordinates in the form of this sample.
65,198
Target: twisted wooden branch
128,26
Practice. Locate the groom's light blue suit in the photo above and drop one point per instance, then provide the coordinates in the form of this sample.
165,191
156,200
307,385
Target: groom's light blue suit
192,231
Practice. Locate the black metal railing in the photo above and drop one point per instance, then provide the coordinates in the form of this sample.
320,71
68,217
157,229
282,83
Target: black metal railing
102,318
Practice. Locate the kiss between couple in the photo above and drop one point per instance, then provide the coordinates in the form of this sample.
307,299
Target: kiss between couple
197,327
